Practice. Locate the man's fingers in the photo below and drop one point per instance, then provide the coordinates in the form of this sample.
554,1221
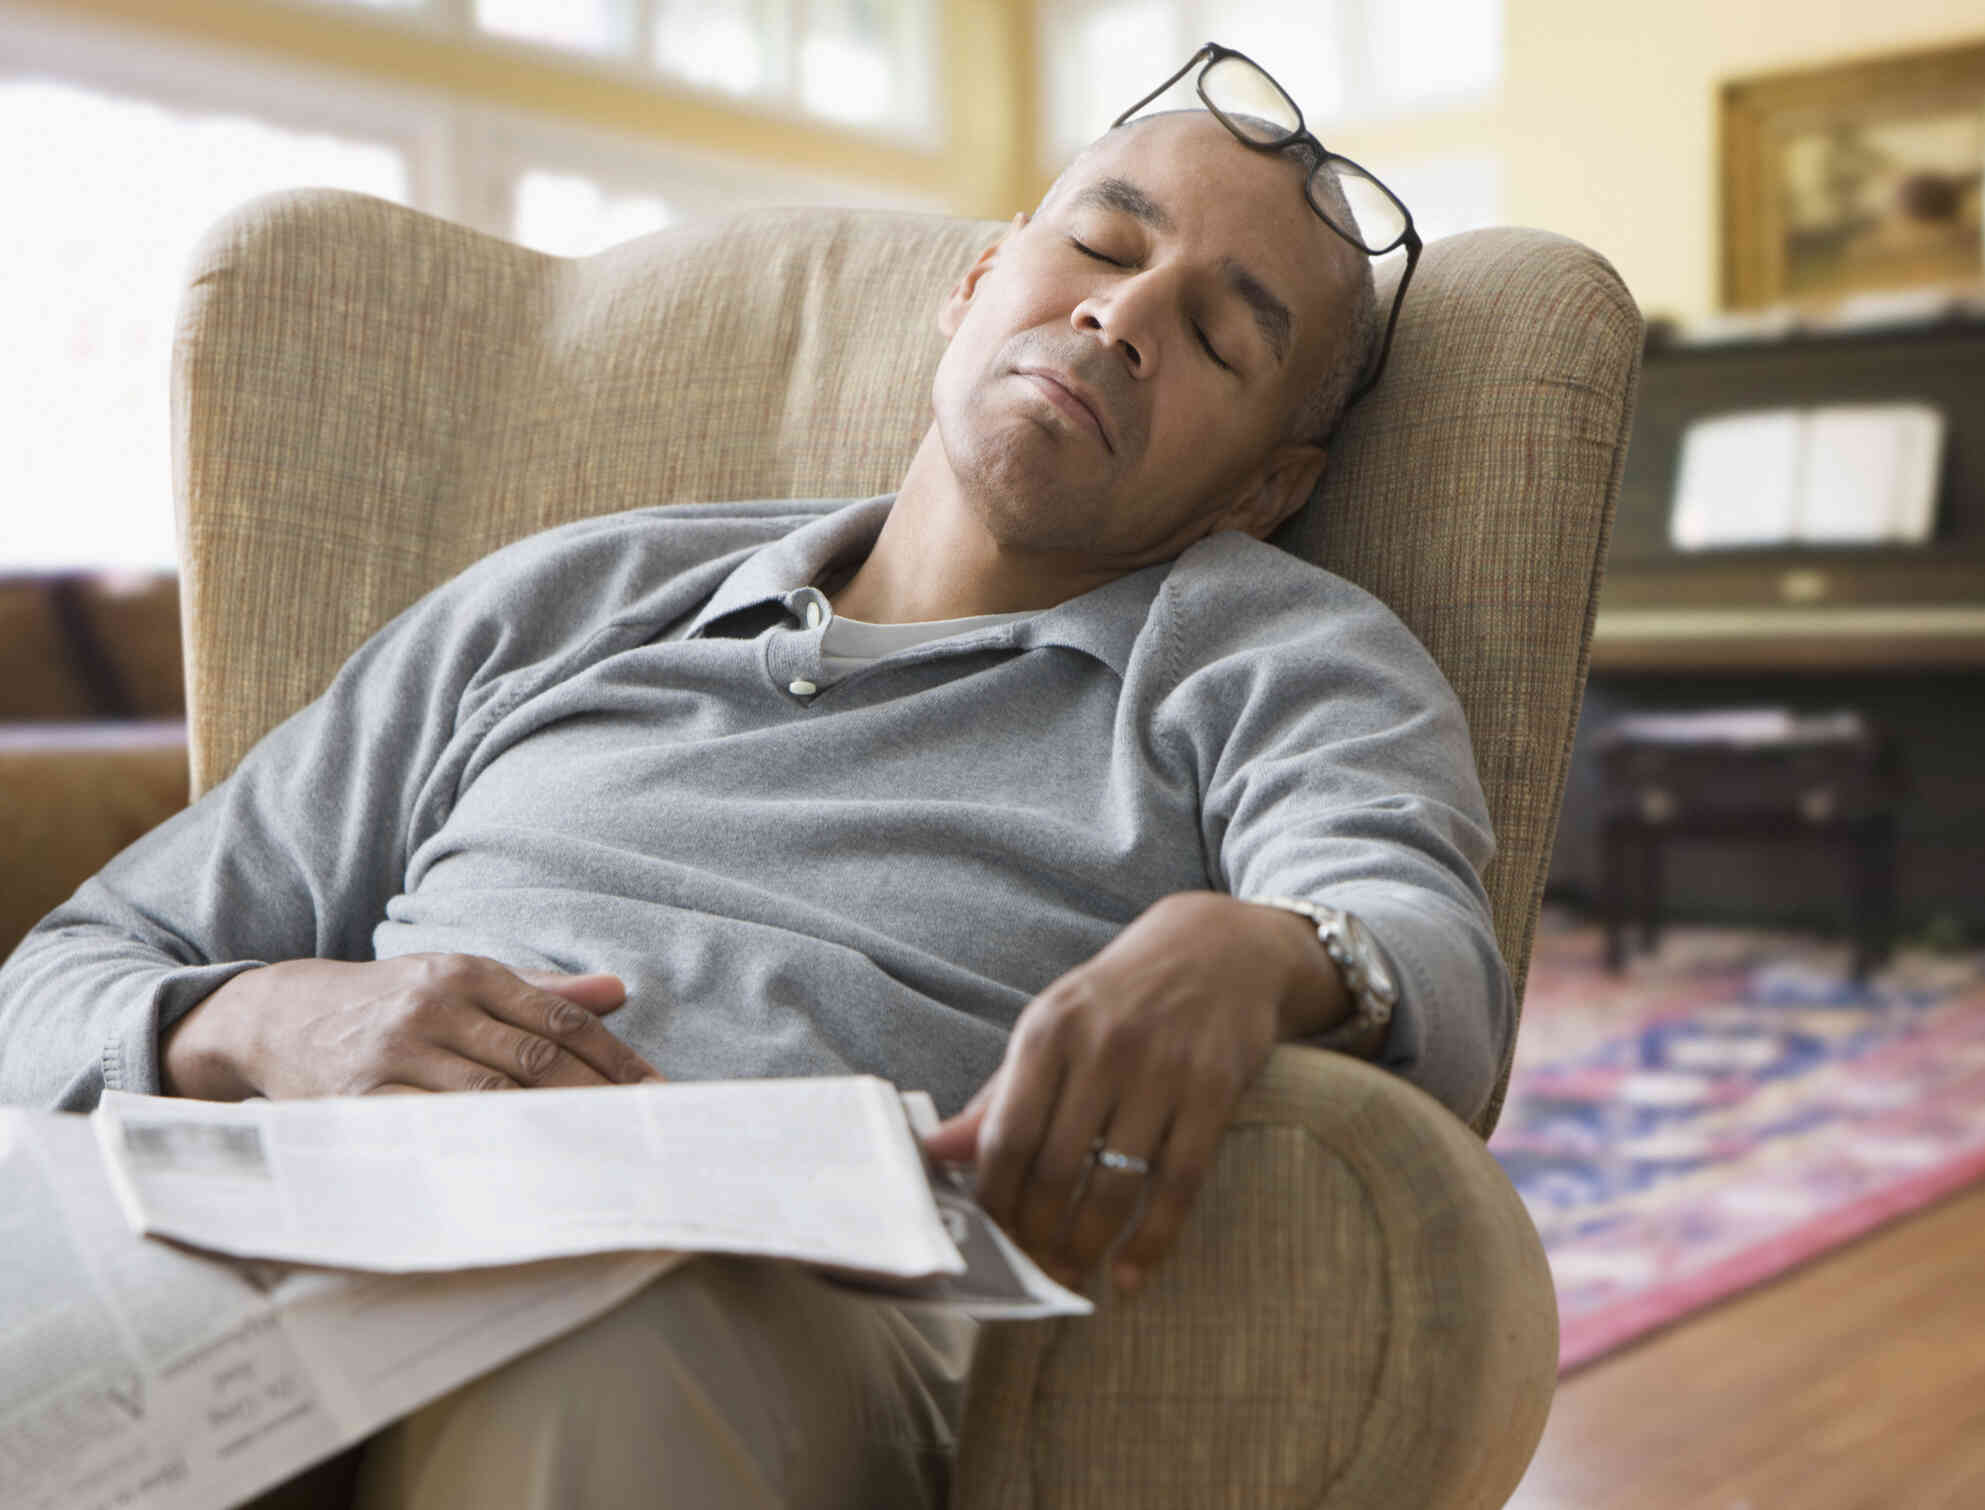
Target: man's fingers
1015,1121
596,991
955,1140
582,1050
1062,1171
503,1048
438,1069
1174,1182
1109,1202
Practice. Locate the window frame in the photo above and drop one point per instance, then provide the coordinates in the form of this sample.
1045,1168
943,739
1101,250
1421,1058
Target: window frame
199,79
923,124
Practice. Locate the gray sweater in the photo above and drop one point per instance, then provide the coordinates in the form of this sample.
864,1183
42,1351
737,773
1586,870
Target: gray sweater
598,750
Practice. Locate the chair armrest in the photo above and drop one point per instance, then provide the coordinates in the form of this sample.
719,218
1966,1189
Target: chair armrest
1358,1313
71,797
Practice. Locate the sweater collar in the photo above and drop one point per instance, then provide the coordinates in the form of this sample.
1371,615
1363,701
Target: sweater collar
1103,622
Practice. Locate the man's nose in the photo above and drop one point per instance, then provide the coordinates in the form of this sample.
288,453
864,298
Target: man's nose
1126,317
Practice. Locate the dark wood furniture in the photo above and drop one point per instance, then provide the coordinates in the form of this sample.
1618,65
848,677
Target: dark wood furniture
1895,632
1834,794
1801,608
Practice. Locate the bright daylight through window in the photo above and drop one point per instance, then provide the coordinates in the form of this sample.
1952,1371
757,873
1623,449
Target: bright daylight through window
106,196
1352,65
861,62
122,154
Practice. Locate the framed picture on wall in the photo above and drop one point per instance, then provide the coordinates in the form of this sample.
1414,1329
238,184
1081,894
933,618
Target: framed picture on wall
1854,177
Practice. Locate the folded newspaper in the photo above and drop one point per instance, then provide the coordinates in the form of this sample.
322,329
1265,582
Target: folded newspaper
445,1235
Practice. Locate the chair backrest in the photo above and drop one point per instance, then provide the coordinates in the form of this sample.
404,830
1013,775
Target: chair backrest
366,399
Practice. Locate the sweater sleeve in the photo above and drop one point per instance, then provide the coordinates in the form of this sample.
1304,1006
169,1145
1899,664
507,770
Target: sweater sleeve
1334,764
296,854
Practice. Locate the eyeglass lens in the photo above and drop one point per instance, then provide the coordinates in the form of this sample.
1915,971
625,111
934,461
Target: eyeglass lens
1380,221
1259,109
1251,99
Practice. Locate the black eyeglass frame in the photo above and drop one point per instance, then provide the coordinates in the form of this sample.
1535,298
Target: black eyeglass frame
1214,54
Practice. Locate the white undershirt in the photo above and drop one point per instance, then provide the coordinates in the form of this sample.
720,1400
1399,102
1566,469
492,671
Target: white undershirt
847,645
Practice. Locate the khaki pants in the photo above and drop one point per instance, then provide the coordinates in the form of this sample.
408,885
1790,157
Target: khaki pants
729,1383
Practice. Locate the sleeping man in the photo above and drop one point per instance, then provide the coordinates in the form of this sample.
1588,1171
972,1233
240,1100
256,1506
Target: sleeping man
1043,784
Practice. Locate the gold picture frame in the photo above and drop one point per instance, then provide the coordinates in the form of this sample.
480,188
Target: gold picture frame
1855,177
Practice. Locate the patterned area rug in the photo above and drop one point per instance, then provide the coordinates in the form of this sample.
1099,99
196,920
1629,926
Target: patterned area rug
1728,1107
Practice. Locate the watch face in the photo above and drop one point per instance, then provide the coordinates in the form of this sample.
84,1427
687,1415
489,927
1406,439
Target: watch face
1378,974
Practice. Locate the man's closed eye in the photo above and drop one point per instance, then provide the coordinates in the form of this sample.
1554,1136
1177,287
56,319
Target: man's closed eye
1198,330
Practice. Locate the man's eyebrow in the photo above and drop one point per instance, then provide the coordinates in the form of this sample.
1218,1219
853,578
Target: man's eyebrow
1122,194
1271,315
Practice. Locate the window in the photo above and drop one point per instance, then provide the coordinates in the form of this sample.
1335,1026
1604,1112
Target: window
107,194
571,215
122,154
1344,61
1430,53
1097,59
864,63
1448,192
605,28
1351,65
850,66
737,46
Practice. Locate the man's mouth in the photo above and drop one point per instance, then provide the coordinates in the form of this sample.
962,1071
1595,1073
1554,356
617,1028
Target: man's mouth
1071,400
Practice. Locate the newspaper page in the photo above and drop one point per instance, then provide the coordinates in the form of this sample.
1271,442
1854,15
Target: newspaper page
823,1171
137,1374
1000,1282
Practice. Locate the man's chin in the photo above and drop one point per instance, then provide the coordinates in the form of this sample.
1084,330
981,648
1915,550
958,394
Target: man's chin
1035,520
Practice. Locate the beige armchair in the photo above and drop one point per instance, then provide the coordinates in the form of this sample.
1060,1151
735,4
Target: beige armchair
366,400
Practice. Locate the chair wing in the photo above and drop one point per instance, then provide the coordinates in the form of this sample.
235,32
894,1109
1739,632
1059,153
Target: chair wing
1473,492
367,399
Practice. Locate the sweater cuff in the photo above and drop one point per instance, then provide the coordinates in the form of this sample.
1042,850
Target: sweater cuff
1454,1005
131,1059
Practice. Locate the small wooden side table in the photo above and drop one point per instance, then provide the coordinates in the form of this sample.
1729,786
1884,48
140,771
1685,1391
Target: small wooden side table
1837,789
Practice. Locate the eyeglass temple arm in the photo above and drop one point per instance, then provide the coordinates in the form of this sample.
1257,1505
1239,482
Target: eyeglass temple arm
1413,247
1186,69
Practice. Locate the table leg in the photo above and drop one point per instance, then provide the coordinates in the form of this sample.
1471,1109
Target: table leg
1614,851
1650,888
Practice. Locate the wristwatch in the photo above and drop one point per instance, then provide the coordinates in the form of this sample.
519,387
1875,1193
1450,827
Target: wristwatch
1367,977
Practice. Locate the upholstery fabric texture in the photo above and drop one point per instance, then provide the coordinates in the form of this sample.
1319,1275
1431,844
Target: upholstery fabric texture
366,400
481,391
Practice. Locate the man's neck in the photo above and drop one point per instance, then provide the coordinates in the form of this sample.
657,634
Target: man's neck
935,559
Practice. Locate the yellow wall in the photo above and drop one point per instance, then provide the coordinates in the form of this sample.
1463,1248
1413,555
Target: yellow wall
1607,119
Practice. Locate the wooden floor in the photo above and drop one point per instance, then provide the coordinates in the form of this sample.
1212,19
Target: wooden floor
1854,1383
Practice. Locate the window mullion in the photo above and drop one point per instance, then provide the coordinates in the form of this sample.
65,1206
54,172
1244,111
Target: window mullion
647,28
457,16
788,30
1354,24
444,175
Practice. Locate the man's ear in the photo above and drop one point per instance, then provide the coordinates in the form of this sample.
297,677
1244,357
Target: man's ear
951,313
1283,485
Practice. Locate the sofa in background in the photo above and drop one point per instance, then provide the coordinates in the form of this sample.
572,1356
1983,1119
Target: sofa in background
92,729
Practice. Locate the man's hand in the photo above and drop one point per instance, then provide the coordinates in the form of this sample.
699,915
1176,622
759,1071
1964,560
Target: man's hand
1147,1047
430,1022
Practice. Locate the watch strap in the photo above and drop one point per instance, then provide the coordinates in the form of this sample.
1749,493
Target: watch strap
1346,941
